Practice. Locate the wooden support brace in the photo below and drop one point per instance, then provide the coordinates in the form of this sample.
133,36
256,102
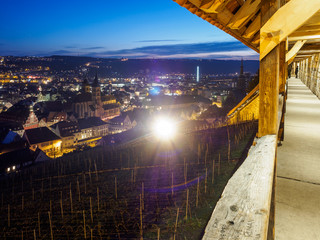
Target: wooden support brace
294,50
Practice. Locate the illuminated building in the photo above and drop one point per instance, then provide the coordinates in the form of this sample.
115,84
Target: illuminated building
90,103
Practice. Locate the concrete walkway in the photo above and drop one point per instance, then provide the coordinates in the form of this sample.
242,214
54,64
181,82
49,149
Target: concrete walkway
298,167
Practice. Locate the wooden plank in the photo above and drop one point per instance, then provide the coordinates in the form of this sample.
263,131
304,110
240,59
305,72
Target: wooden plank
294,50
243,210
244,14
278,27
253,28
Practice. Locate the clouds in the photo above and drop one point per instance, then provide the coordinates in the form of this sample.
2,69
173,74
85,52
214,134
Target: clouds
217,50
93,48
230,50
154,41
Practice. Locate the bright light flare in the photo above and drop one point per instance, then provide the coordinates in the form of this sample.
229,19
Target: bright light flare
164,128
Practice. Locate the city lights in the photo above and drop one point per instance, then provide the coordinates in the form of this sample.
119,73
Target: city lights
164,128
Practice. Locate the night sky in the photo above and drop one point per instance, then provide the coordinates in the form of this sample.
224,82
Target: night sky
112,28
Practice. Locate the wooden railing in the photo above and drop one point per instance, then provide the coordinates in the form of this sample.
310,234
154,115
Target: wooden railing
246,207
251,95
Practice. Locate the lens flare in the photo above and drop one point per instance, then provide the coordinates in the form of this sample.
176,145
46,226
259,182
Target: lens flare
164,128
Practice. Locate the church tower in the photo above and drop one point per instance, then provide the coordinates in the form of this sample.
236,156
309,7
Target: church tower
241,80
96,91
85,86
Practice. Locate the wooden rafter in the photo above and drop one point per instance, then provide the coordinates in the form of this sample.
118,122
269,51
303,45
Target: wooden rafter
253,28
244,14
279,27
219,20
294,50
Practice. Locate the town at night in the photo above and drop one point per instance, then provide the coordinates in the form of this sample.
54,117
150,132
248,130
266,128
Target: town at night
170,119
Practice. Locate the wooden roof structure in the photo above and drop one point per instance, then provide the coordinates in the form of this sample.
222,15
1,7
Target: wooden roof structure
282,31
297,21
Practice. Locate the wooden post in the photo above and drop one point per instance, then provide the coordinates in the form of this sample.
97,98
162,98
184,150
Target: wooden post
39,229
78,188
8,215
51,233
176,225
197,200
71,205
91,210
187,204
212,176
205,181
272,68
142,194
95,168
186,174
141,226
98,198
84,224
269,79
84,183
171,183
115,187
61,208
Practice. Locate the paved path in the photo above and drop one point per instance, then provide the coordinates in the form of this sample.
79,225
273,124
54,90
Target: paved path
298,167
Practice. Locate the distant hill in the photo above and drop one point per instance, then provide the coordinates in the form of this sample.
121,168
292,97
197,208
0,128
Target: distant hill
187,66
128,67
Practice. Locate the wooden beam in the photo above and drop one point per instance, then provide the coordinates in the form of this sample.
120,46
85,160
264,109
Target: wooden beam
253,28
309,37
213,6
305,34
284,22
311,28
310,47
244,14
197,3
294,50
309,51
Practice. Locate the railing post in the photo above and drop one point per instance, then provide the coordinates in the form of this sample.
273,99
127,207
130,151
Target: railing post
283,73
269,79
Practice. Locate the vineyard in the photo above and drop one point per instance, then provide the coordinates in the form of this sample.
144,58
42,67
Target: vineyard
140,190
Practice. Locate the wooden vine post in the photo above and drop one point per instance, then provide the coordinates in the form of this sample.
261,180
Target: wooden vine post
51,232
187,204
84,224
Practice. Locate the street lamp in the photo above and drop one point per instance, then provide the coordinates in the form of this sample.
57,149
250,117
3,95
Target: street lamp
164,128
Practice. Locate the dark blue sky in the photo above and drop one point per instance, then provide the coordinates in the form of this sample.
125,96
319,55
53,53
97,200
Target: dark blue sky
111,28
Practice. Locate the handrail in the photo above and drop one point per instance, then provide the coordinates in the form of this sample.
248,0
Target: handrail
244,100
244,208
